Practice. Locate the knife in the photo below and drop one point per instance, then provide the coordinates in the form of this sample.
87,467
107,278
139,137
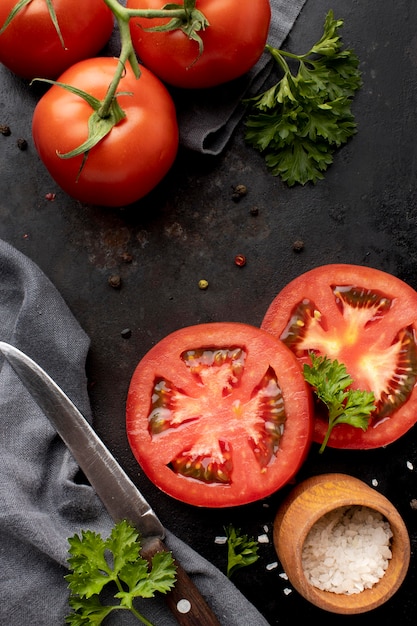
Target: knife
118,493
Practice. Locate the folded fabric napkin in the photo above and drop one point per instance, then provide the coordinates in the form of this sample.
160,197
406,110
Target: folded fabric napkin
207,118
41,503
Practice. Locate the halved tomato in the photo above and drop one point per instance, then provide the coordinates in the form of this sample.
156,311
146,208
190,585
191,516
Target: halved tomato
218,414
366,319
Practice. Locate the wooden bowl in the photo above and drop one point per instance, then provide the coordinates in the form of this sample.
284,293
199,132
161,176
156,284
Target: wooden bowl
304,506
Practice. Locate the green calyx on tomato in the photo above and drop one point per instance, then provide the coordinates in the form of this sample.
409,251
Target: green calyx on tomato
189,20
99,123
218,414
367,320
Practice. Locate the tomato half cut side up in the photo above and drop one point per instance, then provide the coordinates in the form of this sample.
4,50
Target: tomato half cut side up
366,319
219,414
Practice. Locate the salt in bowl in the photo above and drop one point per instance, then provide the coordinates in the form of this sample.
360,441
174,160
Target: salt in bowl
310,501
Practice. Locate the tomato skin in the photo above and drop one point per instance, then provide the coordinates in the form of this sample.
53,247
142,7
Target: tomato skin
364,354
30,46
132,159
233,42
221,417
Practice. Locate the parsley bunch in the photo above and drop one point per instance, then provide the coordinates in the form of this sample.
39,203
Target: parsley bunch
299,122
95,563
241,550
331,382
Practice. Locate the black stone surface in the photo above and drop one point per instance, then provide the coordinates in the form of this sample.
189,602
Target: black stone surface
364,212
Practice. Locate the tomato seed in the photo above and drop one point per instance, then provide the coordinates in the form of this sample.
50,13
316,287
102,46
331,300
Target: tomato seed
202,284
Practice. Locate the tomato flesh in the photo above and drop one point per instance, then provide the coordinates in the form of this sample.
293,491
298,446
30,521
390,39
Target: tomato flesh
367,320
219,414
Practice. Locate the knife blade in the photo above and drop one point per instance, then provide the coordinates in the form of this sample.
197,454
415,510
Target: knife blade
119,494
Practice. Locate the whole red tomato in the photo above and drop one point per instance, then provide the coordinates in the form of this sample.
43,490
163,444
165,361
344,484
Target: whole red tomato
136,154
218,414
365,319
30,46
233,42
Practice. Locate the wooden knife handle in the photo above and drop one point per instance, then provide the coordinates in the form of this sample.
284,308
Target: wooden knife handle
184,600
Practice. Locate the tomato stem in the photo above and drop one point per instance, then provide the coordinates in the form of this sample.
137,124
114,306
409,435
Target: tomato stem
180,14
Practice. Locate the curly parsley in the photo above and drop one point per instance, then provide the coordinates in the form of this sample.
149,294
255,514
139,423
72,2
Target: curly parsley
299,122
330,382
241,550
96,563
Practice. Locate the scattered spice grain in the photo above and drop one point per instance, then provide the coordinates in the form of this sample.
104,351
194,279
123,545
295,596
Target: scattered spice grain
115,281
240,260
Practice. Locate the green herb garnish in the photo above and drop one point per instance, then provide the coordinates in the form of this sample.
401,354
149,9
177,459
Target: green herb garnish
241,550
330,382
95,563
299,122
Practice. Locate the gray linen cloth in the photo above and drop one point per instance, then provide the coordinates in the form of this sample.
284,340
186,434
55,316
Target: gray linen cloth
41,503
207,118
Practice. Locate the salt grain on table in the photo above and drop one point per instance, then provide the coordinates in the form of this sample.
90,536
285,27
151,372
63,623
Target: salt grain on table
347,550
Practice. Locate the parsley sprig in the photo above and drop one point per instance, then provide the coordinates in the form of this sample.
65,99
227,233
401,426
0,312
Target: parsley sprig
299,122
331,383
95,563
241,550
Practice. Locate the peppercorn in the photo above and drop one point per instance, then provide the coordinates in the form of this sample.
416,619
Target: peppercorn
240,260
239,192
298,245
115,281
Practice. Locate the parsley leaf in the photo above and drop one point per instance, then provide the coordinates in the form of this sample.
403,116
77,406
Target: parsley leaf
94,563
241,550
331,383
299,122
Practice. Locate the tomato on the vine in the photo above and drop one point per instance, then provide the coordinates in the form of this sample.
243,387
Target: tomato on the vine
233,42
218,414
365,319
132,159
30,45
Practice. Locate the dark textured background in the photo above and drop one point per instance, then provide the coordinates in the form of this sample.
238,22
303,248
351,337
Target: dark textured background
364,212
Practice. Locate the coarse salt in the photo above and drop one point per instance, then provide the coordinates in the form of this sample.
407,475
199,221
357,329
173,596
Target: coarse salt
272,566
347,550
